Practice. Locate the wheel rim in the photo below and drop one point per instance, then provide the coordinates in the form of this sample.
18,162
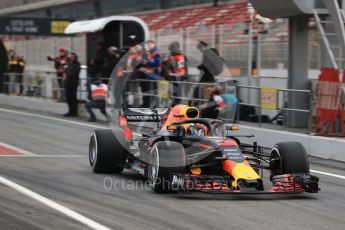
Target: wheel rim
275,154
93,150
153,166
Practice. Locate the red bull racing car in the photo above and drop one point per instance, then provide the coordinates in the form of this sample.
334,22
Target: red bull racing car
186,153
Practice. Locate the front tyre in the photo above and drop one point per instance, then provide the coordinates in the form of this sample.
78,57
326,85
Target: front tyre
289,157
166,158
106,154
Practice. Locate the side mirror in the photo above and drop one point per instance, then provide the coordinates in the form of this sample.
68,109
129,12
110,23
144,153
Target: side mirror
176,128
228,129
232,127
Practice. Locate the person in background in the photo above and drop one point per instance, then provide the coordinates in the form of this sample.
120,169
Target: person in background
12,69
215,103
279,117
134,58
151,69
98,92
3,68
20,72
60,64
71,80
211,66
110,63
175,70
95,64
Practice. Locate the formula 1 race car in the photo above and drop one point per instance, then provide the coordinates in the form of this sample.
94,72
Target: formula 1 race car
186,153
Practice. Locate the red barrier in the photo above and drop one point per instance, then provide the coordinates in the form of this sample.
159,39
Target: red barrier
328,103
342,105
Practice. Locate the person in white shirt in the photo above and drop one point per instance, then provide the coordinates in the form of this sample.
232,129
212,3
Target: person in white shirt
98,92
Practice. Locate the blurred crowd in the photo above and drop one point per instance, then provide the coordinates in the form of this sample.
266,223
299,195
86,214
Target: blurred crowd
137,70
142,65
148,63
99,68
145,64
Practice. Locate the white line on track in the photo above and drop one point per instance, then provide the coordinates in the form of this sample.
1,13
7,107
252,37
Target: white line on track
328,174
26,153
58,207
98,126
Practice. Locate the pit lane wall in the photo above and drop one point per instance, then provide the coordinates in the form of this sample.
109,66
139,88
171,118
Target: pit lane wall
324,147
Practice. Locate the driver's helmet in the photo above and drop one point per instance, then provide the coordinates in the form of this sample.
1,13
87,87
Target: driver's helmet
197,129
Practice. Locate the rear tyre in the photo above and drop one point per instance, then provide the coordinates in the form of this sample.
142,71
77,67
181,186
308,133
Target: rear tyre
165,158
289,157
106,154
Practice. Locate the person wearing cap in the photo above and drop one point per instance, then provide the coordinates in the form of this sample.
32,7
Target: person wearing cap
60,63
98,92
71,82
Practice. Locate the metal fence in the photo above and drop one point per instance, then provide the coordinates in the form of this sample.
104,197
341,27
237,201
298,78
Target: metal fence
41,84
38,84
187,87
46,85
281,104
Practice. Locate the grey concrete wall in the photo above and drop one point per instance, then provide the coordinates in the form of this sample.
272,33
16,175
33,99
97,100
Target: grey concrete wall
325,147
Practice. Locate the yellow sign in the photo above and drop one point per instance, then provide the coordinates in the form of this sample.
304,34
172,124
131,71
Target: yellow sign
269,98
58,27
163,89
